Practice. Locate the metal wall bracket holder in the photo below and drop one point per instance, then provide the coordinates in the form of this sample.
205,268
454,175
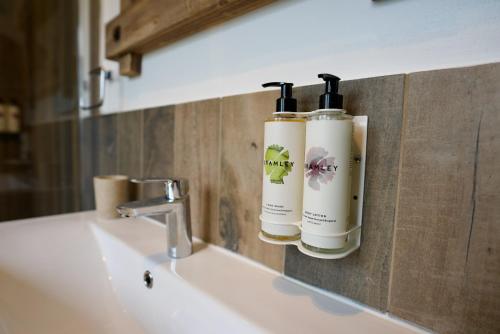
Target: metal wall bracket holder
353,233
103,76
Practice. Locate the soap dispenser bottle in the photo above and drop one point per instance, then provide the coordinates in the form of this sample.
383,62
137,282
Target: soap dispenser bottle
327,172
283,165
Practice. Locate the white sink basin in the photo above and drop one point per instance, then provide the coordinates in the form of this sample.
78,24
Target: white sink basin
77,274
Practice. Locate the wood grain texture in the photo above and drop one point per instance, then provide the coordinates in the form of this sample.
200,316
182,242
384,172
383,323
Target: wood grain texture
364,275
98,154
240,202
66,151
130,138
55,170
446,262
44,176
107,145
88,161
158,147
130,143
110,144
146,25
196,151
66,166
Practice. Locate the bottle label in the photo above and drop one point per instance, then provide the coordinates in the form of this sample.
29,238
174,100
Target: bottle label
277,163
320,167
283,165
327,176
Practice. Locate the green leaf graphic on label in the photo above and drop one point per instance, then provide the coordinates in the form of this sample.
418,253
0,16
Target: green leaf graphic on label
276,162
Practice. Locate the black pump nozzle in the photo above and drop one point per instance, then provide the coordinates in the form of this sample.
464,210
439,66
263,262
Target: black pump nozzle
331,99
286,102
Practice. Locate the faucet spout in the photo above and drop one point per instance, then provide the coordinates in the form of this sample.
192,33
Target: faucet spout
174,211
148,207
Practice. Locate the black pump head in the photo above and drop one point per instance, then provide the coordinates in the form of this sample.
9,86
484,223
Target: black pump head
286,102
330,99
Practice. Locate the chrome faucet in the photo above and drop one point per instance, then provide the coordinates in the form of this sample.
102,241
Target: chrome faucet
172,209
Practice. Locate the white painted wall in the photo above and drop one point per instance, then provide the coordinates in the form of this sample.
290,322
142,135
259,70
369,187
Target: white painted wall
295,40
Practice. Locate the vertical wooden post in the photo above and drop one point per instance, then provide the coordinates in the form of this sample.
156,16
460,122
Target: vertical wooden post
130,64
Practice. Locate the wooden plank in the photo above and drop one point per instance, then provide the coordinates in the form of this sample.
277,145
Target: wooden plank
446,258
196,152
242,139
146,25
157,147
129,132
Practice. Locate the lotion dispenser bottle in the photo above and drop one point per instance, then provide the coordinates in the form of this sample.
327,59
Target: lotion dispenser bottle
283,166
327,172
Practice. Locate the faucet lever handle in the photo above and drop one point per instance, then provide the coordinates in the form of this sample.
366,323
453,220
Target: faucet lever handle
175,188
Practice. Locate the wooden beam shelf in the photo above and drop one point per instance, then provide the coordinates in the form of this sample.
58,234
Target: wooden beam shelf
146,25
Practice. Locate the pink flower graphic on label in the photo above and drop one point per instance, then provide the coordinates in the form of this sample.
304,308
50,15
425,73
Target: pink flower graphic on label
319,167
